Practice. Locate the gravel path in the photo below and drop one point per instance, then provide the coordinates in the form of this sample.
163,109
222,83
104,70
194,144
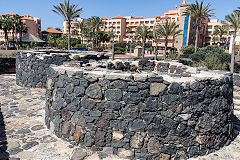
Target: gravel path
23,134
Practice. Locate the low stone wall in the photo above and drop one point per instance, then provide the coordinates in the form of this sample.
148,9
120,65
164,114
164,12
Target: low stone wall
144,116
7,65
32,67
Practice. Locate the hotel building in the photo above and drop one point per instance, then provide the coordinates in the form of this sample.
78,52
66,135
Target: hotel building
33,24
125,27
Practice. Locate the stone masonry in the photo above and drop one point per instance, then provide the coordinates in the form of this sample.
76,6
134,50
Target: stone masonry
141,116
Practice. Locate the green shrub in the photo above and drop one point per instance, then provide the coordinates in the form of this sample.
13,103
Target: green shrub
197,57
80,46
173,55
187,51
202,53
13,54
236,67
213,62
118,52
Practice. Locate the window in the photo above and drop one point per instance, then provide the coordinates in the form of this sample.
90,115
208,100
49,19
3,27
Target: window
127,23
215,27
209,27
118,22
114,22
136,22
141,22
152,22
147,22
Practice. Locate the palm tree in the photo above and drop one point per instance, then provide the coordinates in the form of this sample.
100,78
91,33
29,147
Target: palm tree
129,31
214,39
221,31
69,12
237,11
16,20
143,32
198,11
21,28
234,19
156,38
94,23
75,32
83,29
6,25
166,30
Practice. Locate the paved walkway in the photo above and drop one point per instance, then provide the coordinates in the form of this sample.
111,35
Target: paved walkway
23,134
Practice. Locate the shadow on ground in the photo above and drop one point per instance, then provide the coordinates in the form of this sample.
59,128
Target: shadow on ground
4,155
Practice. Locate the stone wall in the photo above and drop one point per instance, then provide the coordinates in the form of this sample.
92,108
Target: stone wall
140,115
7,65
32,67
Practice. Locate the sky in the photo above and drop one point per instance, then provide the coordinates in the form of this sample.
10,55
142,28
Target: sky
106,8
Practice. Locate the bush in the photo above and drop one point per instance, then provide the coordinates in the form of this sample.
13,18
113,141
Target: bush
187,51
213,62
80,46
13,54
202,53
197,57
118,52
173,55
236,67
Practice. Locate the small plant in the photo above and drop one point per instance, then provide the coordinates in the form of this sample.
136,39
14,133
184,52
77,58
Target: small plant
13,54
187,51
80,46
213,62
118,52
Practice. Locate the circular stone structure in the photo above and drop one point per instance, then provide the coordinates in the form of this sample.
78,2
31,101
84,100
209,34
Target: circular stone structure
32,67
141,114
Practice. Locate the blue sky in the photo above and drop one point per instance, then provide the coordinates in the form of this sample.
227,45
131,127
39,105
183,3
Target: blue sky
106,8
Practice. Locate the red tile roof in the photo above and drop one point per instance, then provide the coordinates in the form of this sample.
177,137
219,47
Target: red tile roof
118,17
185,4
138,17
105,18
51,30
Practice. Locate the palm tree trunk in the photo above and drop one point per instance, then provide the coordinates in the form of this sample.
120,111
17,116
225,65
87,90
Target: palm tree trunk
233,55
155,51
69,35
196,40
113,48
165,54
6,39
143,48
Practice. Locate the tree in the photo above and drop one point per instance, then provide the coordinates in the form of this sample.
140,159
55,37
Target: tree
21,28
83,29
166,30
51,40
75,32
156,38
237,11
214,39
16,20
234,19
69,12
58,29
221,31
198,11
6,26
94,24
143,32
